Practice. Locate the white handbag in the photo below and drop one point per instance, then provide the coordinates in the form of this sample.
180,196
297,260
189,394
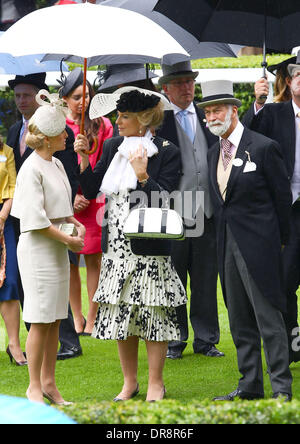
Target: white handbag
153,223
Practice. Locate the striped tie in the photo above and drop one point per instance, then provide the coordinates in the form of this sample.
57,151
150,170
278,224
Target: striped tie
22,142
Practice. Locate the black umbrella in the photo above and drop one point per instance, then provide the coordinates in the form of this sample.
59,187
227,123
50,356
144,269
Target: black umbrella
196,49
243,22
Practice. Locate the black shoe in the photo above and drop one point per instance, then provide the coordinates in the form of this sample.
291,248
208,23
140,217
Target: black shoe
175,349
68,353
211,351
285,397
174,354
294,357
240,394
133,394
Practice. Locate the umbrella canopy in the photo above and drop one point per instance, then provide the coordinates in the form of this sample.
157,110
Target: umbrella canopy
82,31
244,22
31,64
196,49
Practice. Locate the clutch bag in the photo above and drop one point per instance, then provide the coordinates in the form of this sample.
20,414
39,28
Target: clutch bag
153,223
69,229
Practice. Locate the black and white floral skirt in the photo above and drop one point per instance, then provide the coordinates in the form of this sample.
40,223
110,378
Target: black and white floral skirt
137,295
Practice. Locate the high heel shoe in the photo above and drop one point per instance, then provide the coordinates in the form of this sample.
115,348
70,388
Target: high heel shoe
164,392
133,394
52,401
12,359
84,325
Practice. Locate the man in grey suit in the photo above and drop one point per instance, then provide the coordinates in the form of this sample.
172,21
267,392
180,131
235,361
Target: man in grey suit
251,197
196,255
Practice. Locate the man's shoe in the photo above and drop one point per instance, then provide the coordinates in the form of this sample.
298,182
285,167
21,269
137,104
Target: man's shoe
174,354
240,394
285,397
211,351
294,357
68,353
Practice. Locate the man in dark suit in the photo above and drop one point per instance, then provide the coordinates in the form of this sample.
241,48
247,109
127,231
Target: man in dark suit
25,89
251,198
196,255
280,121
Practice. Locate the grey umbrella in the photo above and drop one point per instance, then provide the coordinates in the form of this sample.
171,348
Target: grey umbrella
196,49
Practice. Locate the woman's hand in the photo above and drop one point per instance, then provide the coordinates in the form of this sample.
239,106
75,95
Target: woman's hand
75,243
80,203
81,146
139,162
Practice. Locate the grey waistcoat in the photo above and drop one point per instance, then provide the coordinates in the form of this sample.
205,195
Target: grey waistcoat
195,170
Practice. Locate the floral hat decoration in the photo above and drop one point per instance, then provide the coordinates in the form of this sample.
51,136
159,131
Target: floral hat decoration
50,117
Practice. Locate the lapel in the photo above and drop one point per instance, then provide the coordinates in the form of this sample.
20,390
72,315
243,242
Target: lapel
215,153
287,121
245,145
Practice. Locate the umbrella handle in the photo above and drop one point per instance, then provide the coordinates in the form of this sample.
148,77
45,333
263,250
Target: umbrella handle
264,66
94,146
95,142
83,97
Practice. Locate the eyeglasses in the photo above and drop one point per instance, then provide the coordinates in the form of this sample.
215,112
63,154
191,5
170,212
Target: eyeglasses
296,75
179,83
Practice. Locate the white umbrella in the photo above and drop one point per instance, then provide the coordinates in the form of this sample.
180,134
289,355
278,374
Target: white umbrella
86,30
80,32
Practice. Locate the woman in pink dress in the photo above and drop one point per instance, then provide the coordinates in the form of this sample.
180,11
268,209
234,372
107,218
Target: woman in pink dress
87,212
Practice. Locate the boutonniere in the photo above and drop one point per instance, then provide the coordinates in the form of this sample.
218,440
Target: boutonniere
166,143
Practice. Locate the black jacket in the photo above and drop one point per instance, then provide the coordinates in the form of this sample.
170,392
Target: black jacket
257,210
164,170
276,121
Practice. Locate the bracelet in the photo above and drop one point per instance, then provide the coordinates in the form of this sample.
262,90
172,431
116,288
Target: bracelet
143,182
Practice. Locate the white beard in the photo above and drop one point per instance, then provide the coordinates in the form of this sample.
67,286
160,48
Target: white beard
218,128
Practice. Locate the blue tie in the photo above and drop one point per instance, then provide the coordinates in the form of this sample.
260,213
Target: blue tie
186,124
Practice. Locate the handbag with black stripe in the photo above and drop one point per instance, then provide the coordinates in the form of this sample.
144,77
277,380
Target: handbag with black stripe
153,223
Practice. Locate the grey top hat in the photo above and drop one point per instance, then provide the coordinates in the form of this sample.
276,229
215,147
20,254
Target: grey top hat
292,67
181,69
218,91
123,73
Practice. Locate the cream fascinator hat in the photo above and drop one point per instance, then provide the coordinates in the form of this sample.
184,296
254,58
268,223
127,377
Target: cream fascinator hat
103,104
50,117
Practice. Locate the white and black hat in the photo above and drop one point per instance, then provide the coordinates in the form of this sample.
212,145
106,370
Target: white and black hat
218,91
103,104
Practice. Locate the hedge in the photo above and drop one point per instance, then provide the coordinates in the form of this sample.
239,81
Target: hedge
173,412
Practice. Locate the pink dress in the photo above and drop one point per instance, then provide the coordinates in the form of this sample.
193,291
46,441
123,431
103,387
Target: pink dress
91,216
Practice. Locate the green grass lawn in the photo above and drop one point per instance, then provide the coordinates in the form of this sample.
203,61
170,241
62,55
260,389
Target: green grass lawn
97,374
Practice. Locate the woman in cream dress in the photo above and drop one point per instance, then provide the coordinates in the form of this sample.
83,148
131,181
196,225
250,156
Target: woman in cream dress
42,202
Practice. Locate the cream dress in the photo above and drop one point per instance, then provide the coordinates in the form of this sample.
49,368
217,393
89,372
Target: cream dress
42,198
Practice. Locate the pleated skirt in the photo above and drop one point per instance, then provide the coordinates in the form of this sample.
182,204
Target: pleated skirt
137,295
